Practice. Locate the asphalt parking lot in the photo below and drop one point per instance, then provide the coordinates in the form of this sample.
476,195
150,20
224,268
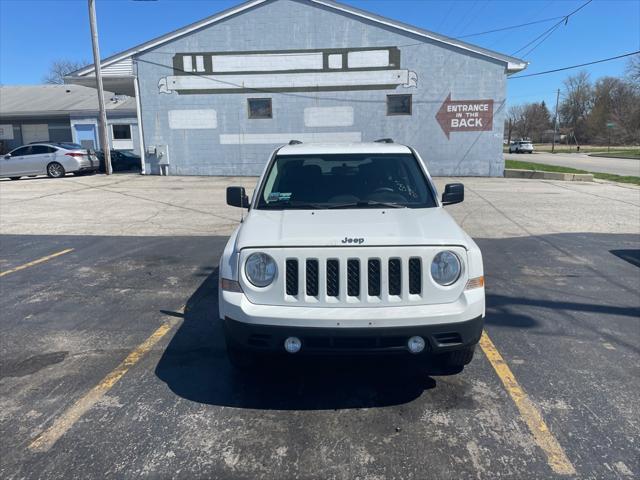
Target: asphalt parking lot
112,363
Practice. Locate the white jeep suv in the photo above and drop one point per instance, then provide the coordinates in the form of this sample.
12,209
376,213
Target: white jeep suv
346,248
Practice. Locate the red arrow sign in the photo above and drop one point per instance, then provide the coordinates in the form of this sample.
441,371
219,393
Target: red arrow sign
465,115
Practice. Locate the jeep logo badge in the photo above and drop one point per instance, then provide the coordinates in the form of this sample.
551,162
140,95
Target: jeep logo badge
358,241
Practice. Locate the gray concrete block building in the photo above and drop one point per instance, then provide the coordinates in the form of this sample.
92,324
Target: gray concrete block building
218,96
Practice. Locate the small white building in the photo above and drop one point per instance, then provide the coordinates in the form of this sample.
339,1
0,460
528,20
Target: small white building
64,113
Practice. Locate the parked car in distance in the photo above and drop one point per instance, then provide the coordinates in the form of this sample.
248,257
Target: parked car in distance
47,158
347,249
121,161
521,146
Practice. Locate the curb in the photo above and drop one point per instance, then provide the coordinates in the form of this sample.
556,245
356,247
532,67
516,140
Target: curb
597,155
541,175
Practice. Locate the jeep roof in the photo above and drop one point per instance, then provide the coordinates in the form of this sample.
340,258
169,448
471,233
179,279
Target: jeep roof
328,148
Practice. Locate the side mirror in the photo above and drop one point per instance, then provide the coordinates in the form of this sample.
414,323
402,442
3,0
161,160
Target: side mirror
236,197
453,193
7,156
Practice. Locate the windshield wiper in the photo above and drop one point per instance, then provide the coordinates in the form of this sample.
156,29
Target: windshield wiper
293,205
366,204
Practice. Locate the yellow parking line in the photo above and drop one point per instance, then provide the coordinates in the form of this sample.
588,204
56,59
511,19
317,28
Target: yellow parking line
62,424
556,458
35,262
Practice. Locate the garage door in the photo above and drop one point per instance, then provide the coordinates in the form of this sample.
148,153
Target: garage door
35,133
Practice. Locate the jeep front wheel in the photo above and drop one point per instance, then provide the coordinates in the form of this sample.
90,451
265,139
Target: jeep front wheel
459,358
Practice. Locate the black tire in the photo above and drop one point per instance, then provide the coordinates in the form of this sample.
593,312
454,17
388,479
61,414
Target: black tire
450,363
14,178
55,170
459,358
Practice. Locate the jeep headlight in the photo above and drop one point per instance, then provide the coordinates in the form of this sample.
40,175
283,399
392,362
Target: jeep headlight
446,268
260,269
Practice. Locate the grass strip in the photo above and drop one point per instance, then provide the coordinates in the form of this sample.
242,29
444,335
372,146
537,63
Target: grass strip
555,168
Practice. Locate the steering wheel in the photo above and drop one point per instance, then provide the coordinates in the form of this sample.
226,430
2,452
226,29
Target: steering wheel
384,189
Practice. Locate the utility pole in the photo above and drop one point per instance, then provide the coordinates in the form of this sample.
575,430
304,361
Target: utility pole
104,137
555,123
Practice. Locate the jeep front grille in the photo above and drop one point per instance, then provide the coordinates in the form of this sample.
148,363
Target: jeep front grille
353,277
292,276
415,276
376,276
395,279
312,277
373,273
350,278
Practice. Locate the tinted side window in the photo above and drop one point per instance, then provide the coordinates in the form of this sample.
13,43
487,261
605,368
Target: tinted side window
39,149
20,152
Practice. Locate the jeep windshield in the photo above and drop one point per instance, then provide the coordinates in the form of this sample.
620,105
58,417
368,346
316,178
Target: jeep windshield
336,181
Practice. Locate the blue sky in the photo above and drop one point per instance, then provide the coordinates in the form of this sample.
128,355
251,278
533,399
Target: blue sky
35,32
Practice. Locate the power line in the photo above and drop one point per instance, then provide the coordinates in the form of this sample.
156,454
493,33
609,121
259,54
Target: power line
541,41
464,17
509,28
476,15
444,19
575,66
476,34
564,20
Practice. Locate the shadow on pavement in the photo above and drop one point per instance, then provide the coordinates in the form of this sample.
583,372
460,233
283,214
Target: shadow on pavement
195,366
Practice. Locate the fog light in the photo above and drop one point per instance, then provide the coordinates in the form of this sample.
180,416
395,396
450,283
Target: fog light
292,344
416,344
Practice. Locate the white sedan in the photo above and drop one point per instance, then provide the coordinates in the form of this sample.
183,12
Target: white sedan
521,147
52,159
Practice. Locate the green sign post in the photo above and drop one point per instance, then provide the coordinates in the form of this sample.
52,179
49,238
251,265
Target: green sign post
610,125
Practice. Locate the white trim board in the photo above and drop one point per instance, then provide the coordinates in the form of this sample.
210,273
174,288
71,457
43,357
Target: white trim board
280,138
372,78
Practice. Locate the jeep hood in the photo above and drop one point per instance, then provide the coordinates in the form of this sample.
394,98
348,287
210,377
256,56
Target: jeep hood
328,228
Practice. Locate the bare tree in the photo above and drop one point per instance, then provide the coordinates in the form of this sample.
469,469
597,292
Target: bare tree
58,69
624,112
633,71
576,104
529,120
513,117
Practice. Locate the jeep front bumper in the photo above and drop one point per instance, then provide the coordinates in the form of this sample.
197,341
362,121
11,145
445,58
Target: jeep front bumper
444,327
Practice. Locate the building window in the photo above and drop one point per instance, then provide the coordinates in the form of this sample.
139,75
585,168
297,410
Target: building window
398,104
187,63
260,108
335,61
121,132
199,63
